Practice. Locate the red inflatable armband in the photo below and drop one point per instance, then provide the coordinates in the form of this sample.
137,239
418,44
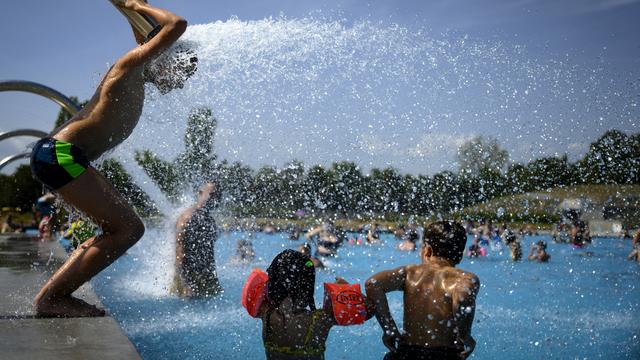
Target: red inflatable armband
347,301
254,291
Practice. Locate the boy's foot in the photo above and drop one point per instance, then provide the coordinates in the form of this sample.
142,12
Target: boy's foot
67,307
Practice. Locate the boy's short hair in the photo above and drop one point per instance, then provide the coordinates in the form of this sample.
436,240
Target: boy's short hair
171,68
447,239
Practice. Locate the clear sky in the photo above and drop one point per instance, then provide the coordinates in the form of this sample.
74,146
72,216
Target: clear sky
67,45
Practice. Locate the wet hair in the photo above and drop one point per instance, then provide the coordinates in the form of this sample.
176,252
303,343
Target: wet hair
291,275
214,196
305,248
171,68
447,239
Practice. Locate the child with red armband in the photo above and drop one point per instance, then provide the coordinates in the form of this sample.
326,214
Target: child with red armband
283,298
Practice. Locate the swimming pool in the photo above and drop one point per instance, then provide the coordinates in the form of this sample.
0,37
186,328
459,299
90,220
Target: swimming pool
583,304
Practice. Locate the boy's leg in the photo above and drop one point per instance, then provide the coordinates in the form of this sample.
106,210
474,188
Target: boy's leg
93,195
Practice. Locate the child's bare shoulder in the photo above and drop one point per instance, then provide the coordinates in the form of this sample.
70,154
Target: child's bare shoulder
464,279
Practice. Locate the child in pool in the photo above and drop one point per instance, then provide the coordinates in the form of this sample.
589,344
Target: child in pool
539,252
292,327
439,299
61,161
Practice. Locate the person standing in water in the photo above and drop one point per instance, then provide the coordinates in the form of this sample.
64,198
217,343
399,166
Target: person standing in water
635,247
439,299
196,235
539,252
61,161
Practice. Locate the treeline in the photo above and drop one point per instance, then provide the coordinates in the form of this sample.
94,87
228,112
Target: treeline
20,189
342,189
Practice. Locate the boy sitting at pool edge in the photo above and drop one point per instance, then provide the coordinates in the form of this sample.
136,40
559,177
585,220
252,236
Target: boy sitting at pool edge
439,299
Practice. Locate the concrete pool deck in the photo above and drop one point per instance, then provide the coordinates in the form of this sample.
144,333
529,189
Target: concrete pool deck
25,264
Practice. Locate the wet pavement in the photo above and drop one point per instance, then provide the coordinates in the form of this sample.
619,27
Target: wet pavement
25,264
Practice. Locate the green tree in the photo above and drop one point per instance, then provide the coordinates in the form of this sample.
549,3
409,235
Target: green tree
265,188
197,163
609,159
165,174
191,168
318,185
549,172
19,189
237,180
291,186
634,170
442,196
480,153
64,116
139,200
347,185
385,188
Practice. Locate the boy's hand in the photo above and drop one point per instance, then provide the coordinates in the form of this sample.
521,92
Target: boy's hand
391,339
129,4
469,346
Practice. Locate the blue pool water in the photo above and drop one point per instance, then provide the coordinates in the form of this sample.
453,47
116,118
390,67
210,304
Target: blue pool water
582,304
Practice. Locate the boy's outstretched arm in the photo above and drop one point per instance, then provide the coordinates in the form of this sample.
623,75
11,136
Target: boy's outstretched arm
173,27
464,305
377,288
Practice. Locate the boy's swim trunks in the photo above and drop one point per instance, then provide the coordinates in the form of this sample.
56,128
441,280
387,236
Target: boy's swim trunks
55,163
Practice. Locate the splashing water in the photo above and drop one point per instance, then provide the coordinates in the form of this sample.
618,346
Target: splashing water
321,91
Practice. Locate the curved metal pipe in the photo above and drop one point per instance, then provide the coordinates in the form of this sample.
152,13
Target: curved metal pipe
22,132
39,89
32,87
9,159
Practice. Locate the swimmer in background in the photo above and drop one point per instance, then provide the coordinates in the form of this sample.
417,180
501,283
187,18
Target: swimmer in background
244,250
328,240
410,239
475,250
61,161
580,234
513,243
44,206
635,246
292,327
373,234
8,226
539,252
294,232
399,232
45,232
196,235
439,299
305,249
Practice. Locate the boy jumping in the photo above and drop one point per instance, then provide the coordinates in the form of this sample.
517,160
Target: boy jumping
61,161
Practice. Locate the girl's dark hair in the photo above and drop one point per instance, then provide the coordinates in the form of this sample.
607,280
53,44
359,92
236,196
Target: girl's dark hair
291,275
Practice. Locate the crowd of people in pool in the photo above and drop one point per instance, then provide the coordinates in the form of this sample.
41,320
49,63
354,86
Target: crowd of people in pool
327,238
439,299
294,328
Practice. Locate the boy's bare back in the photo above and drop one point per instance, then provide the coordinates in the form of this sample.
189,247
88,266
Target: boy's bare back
439,299
437,303
111,114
